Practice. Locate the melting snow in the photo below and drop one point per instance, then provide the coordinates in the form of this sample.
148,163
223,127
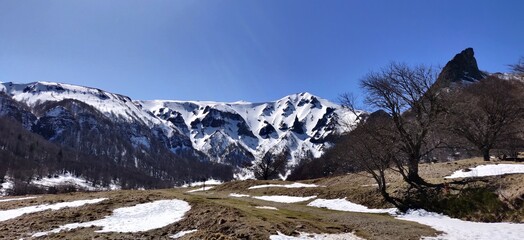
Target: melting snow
14,213
266,207
200,189
16,199
207,183
454,229
294,185
284,199
69,179
324,236
8,184
489,170
342,204
458,229
183,233
238,195
138,218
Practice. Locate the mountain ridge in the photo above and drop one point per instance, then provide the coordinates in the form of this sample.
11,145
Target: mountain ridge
231,133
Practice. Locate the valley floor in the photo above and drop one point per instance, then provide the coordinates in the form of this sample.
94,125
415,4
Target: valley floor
248,210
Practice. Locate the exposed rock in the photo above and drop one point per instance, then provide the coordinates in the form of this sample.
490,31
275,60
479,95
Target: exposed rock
462,68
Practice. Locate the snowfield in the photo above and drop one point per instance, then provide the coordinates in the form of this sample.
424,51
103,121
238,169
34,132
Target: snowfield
284,199
17,212
342,204
294,185
324,236
138,218
489,170
454,229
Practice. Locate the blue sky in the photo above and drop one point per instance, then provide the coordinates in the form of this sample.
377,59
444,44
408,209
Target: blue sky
229,50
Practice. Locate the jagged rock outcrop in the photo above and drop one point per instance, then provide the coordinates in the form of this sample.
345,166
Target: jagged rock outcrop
462,68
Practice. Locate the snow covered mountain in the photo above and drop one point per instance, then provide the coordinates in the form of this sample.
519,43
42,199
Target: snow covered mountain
296,125
135,133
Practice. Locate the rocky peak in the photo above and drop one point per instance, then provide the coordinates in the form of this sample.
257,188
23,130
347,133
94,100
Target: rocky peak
462,68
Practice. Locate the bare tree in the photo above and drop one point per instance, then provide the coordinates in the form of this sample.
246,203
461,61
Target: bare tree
518,67
270,166
487,113
372,153
406,95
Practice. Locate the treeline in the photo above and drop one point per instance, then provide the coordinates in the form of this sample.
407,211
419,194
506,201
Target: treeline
26,156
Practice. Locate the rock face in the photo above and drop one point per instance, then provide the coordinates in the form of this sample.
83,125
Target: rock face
462,68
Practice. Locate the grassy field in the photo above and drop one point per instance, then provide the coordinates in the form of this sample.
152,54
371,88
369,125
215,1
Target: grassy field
217,215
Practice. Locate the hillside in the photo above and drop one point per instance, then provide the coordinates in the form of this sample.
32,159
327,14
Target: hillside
245,210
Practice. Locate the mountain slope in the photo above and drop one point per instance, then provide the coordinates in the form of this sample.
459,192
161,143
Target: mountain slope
158,136
297,125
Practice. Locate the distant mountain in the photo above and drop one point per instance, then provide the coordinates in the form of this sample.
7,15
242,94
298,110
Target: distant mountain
234,133
173,140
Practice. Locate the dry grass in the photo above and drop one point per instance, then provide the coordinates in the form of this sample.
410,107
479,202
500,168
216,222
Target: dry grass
218,216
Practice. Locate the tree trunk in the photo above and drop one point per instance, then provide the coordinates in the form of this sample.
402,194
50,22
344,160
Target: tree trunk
485,153
413,175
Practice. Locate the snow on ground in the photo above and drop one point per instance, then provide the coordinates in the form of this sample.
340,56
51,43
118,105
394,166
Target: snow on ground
294,185
454,229
6,185
17,212
207,183
284,199
489,170
266,207
16,199
200,189
342,204
183,233
238,195
324,236
458,229
69,179
138,218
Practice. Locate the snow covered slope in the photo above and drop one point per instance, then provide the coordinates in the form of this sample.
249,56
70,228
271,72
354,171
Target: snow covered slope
236,133
296,125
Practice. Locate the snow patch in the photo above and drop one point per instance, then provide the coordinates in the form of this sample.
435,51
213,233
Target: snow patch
284,198
17,212
266,207
342,204
294,185
238,195
455,229
69,179
138,218
183,233
6,186
489,170
16,199
200,189
207,183
324,236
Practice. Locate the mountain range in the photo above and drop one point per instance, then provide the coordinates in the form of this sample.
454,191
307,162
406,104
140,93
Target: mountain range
147,136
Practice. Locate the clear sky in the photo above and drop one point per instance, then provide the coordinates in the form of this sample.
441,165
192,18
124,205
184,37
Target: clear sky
229,50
